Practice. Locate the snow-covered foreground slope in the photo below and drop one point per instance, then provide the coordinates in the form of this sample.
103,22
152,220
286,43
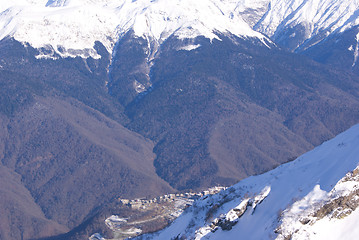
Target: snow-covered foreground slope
71,27
313,197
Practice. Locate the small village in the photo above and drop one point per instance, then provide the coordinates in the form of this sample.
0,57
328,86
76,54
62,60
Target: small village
143,203
150,214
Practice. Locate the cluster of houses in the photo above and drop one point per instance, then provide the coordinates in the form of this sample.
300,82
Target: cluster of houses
139,203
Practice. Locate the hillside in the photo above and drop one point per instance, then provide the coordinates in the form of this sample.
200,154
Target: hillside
64,153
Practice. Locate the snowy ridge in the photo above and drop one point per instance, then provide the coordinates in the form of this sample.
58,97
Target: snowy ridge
317,16
68,30
304,197
71,27
186,19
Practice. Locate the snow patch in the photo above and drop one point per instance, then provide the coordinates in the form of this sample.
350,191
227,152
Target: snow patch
190,47
356,50
139,88
260,197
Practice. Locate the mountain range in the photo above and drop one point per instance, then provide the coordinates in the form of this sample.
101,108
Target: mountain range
132,98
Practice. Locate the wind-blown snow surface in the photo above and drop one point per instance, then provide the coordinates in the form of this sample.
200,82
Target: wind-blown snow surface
71,27
277,203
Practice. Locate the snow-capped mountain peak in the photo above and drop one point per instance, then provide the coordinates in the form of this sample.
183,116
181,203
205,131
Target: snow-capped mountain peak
185,18
67,29
314,18
71,27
